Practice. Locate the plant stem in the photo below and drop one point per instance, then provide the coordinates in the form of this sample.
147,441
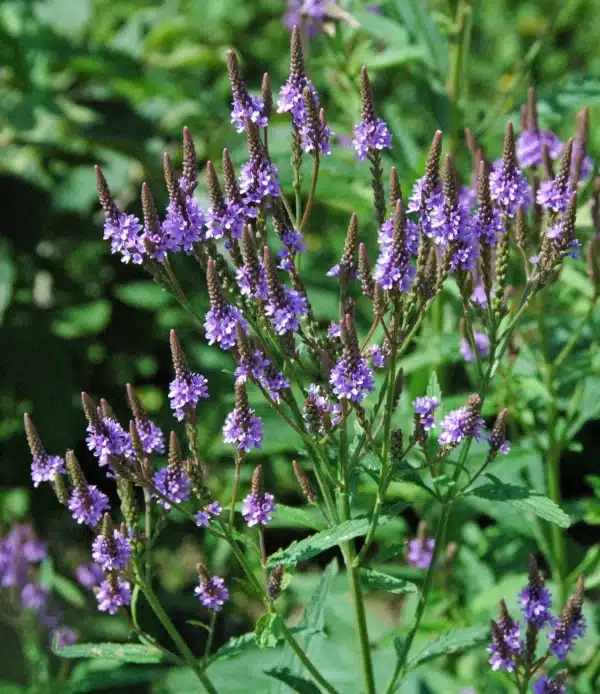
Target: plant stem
289,637
234,493
148,532
459,61
211,634
182,647
311,195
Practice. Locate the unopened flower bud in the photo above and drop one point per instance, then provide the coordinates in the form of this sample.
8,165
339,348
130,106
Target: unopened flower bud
304,482
396,444
275,580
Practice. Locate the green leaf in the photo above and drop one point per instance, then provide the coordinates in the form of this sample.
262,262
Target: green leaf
7,279
298,684
319,542
82,320
383,29
292,517
123,652
452,642
433,387
145,295
68,591
524,499
393,57
268,631
417,19
381,581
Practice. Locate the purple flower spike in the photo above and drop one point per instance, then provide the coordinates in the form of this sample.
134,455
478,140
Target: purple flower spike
111,552
124,233
259,180
174,484
89,575
252,366
535,598
185,222
530,144
371,135
44,468
245,431
425,407
571,625
461,423
18,550
258,290
87,505
109,438
508,185
151,436
185,392
114,592
545,685
482,344
34,597
285,310
351,378
506,646
202,519
257,508
420,552
252,108
426,201
212,591
220,325
377,354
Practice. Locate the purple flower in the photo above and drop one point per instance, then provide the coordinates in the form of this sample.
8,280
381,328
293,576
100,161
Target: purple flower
274,382
488,228
425,407
562,238
506,646
309,14
285,309
451,228
125,237
371,135
89,575
112,553
184,393
151,437
203,517
87,505
536,601
426,207
333,330
34,597
44,468
246,106
587,165
509,188
420,552
184,223
482,344
212,592
228,221
109,438
214,508
320,414
220,325
393,270
173,483
18,550
377,354
293,242
259,181
530,144
114,592
258,507
554,194
254,289
352,379
568,628
467,198
479,296
460,424
243,428
64,636
544,685
252,366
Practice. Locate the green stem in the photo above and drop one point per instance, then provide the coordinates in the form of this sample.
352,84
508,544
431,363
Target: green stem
289,637
459,62
182,647
148,532
311,195
211,634
234,493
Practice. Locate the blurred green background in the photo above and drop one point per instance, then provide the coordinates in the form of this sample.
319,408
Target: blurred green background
113,82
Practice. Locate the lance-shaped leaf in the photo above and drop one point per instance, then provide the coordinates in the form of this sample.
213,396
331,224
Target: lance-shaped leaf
298,684
380,581
123,652
454,641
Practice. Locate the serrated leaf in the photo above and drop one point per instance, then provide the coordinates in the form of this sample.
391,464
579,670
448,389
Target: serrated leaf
292,517
453,642
523,498
298,684
123,652
381,581
268,630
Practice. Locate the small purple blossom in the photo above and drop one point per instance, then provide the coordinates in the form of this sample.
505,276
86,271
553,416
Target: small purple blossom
252,366
185,391
334,329
554,194
319,410
88,504
214,508
258,507
536,601
509,188
124,233
64,636
544,685
89,575
227,222
428,207
203,517
220,325
212,592
274,382
425,407
420,552
370,135
506,646
244,429
564,633
488,230
479,297
482,345
530,145
34,597
44,468
245,106
254,289
259,181
352,379
377,354
285,310
458,425
172,483
113,592
109,438
18,550
112,553
184,224
151,436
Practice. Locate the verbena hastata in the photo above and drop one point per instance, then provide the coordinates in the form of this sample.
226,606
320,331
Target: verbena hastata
325,381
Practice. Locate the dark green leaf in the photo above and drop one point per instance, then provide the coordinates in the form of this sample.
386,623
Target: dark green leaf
381,581
292,517
145,295
123,652
523,498
452,642
268,630
67,590
298,684
383,29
